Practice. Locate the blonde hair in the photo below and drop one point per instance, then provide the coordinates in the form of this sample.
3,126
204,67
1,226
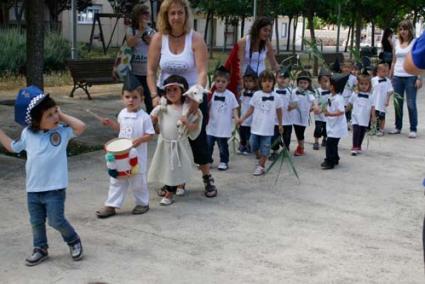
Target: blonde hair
164,26
406,25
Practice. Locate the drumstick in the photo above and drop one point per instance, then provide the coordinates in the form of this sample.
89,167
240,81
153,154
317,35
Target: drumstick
98,117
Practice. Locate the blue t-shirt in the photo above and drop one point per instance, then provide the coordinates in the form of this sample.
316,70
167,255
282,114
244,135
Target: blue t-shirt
418,52
47,166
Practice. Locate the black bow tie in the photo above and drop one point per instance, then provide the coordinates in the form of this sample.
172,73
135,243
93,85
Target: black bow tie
281,92
248,94
382,80
326,93
363,96
216,98
300,93
267,99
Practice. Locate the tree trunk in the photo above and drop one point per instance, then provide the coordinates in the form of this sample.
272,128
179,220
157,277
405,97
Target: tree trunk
347,40
313,41
35,42
358,31
289,34
206,26
212,35
243,26
4,13
294,36
373,34
338,33
303,35
352,35
415,19
260,8
226,22
277,33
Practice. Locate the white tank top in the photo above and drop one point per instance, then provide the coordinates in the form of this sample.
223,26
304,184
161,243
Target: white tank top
400,54
256,60
182,64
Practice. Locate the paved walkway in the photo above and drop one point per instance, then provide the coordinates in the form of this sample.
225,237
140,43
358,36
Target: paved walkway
360,223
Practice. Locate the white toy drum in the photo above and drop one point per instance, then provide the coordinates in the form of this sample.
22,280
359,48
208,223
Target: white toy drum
121,158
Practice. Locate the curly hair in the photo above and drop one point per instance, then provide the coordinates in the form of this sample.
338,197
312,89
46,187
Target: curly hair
164,26
138,10
254,32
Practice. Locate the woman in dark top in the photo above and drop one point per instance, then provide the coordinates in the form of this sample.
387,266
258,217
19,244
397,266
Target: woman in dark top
387,46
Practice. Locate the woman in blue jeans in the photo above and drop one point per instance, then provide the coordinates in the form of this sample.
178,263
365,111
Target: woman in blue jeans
404,82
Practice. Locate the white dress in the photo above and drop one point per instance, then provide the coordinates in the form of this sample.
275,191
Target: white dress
172,161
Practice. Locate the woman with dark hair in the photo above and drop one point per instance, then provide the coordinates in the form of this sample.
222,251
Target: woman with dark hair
255,47
387,46
404,81
138,36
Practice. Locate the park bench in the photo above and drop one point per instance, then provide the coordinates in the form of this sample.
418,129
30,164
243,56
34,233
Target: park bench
88,72
331,57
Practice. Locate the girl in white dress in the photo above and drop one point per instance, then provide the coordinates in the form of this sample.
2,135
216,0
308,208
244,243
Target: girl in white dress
172,161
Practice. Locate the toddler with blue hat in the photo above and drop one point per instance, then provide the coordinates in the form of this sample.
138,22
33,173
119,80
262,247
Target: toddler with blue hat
47,131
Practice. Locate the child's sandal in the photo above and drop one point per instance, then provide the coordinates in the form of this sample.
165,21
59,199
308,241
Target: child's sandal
210,189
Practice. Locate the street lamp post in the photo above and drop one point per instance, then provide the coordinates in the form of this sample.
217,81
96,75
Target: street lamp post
73,29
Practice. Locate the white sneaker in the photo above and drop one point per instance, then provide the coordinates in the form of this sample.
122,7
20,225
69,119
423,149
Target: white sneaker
395,131
180,191
259,171
222,166
412,134
380,133
166,201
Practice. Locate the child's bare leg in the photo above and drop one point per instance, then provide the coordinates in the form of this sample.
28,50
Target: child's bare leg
381,124
169,195
257,155
262,161
301,143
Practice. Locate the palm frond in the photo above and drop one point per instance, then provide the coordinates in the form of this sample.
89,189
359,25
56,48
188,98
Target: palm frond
314,51
398,103
282,156
355,52
234,140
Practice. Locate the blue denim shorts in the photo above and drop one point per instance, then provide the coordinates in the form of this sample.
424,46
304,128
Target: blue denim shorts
261,143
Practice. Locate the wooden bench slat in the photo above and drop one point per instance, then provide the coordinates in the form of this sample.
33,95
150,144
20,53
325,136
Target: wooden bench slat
91,71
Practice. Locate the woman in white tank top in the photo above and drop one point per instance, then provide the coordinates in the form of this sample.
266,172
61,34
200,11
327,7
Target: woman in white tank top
256,47
182,64
178,50
402,81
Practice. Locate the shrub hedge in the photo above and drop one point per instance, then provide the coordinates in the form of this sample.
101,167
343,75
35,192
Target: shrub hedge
13,52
